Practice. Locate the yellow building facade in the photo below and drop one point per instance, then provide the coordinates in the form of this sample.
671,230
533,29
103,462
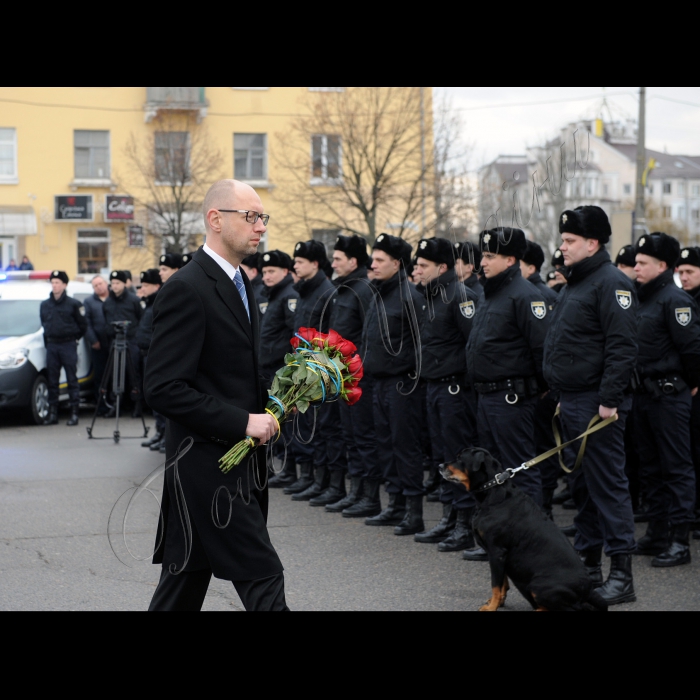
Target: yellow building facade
71,197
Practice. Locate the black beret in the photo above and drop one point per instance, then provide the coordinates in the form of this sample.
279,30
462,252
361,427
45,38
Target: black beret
468,253
314,251
627,257
588,222
690,256
437,250
396,247
277,258
253,261
353,247
504,241
187,257
558,259
150,277
171,260
660,246
534,255
59,275
118,275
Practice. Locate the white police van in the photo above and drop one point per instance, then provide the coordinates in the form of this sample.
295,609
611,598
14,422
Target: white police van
23,378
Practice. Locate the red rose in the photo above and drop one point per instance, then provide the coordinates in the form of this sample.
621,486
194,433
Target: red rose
334,339
346,349
353,395
295,342
356,369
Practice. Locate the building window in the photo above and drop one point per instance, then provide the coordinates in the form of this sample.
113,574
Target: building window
172,157
628,189
696,214
681,189
93,252
328,237
250,156
8,155
696,190
92,155
666,212
667,188
326,157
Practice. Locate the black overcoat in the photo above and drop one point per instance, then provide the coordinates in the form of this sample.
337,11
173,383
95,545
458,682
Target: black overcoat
203,377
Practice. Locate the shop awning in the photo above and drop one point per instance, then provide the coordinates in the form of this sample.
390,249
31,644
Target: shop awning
17,221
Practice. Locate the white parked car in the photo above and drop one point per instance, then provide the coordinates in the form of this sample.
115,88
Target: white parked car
23,380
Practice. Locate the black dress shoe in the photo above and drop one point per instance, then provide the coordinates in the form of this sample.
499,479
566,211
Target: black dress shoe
412,524
678,554
619,588
477,554
442,530
569,531
462,538
656,541
392,516
350,500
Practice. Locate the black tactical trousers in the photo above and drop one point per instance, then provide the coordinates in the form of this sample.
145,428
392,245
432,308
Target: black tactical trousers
397,420
662,428
99,364
600,487
452,423
508,433
544,440
63,355
695,440
331,451
360,436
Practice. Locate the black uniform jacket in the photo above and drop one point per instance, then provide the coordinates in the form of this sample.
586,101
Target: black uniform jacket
202,375
669,332
314,294
350,305
94,314
144,333
448,313
391,335
475,285
258,289
510,327
63,320
592,341
277,325
125,307
550,296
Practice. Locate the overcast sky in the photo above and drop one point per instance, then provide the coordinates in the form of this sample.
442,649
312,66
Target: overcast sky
499,122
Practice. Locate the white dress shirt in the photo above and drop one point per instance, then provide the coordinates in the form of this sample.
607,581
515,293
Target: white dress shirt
225,265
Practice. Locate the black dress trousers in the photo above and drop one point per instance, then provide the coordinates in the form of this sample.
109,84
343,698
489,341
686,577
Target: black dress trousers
360,436
63,355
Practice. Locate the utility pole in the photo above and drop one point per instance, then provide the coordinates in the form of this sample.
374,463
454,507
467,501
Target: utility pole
640,209
422,156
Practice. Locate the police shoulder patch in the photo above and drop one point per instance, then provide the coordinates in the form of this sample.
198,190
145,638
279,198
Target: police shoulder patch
539,309
292,304
684,316
82,311
143,304
624,299
468,309
263,306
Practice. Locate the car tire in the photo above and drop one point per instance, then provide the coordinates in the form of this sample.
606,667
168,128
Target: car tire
39,401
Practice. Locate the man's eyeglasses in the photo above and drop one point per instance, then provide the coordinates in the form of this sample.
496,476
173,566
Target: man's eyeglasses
252,217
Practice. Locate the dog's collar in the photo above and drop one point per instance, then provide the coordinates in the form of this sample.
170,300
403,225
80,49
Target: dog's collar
498,481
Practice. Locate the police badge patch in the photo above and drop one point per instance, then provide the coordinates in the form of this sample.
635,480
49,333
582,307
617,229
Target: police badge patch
539,308
292,305
82,310
263,307
624,299
684,316
468,309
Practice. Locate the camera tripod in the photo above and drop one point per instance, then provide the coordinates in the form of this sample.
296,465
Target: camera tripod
120,368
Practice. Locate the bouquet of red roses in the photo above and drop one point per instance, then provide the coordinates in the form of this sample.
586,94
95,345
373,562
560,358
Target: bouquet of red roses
324,367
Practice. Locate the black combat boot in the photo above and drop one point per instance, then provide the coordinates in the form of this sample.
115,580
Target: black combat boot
593,561
442,530
619,588
432,485
351,499
53,416
548,503
369,504
74,417
156,446
286,477
412,523
678,553
317,488
335,492
462,538
306,479
153,441
478,554
642,514
656,541
392,516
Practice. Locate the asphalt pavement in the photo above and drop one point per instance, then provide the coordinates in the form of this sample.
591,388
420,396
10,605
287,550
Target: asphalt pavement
58,489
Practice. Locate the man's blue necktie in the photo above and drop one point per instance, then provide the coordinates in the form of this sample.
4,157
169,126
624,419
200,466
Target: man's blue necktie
240,286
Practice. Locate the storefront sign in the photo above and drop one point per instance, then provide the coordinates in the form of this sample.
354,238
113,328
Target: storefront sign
119,208
73,208
135,237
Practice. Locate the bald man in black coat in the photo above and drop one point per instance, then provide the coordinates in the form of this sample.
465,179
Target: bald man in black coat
203,377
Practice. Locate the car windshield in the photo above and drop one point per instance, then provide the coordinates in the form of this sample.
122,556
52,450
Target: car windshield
19,318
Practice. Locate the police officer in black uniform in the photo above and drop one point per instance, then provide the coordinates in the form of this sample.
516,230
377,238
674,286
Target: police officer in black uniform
170,263
150,286
668,374
187,258
63,319
558,265
277,328
504,358
689,272
626,261
252,265
531,268
391,342
122,306
314,290
467,263
446,322
590,355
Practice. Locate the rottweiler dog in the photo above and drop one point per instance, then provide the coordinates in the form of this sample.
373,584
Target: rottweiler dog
521,543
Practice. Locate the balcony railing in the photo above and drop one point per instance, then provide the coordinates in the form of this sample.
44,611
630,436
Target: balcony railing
181,99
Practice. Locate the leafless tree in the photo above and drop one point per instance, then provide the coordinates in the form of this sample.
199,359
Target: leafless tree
169,173
657,220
